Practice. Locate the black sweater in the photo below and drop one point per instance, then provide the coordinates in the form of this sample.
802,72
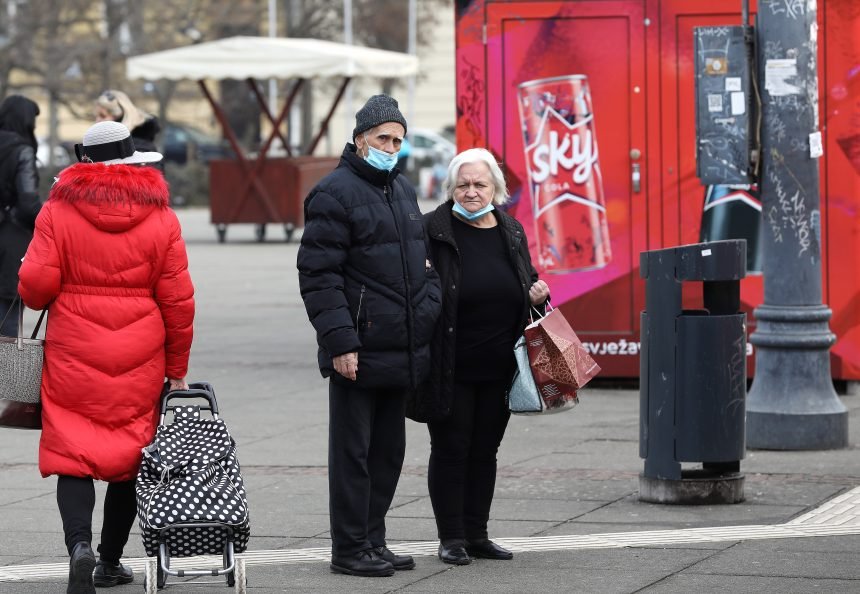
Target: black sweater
433,401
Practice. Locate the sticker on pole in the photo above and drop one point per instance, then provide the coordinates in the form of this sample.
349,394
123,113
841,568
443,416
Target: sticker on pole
739,103
715,103
816,148
776,77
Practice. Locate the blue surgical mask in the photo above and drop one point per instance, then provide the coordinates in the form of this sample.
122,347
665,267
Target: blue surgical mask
471,216
380,159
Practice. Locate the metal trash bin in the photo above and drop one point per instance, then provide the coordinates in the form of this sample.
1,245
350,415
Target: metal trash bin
693,375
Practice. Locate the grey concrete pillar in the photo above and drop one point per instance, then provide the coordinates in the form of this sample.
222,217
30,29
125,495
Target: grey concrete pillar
792,404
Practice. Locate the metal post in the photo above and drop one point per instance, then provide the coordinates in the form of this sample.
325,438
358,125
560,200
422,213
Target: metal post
412,50
792,404
273,32
349,112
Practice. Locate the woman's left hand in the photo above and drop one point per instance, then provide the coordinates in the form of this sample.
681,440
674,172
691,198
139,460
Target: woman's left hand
177,384
539,292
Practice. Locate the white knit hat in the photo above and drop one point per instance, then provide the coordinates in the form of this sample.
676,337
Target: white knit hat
110,143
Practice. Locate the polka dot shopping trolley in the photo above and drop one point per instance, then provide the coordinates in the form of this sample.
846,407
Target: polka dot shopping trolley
190,494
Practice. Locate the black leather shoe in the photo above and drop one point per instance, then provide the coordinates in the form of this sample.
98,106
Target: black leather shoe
487,549
454,553
81,566
364,563
399,562
108,574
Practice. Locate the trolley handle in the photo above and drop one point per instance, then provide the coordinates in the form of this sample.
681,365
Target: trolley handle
193,391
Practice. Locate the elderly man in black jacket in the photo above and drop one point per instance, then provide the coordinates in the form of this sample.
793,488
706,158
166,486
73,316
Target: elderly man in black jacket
373,299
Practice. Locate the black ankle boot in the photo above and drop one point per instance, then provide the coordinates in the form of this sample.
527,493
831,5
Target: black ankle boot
81,566
108,575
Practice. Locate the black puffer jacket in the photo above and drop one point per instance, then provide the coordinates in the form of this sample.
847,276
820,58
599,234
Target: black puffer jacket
433,401
19,185
363,275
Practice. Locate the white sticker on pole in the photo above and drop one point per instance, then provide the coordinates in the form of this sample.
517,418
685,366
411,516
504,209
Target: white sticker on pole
715,103
816,148
733,83
776,77
706,253
739,104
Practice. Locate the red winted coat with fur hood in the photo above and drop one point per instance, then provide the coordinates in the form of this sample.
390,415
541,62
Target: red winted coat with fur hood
108,261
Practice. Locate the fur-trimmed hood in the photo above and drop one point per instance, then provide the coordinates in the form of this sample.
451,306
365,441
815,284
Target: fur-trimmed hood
114,198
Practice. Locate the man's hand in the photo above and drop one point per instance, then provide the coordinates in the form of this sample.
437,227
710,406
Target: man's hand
346,365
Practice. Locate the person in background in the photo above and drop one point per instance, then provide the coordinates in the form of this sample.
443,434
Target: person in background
108,261
19,198
490,285
116,106
373,300
403,155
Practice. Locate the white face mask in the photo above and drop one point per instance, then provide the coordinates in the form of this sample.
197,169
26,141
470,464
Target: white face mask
379,159
471,216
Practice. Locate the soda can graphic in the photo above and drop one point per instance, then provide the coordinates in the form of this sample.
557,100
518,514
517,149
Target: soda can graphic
564,174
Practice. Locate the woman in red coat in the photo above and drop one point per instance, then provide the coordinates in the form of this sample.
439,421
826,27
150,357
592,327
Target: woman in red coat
108,261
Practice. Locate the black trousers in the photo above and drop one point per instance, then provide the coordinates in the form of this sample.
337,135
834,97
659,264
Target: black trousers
76,498
9,327
462,470
367,442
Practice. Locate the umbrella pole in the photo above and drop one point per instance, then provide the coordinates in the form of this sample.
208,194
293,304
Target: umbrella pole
324,124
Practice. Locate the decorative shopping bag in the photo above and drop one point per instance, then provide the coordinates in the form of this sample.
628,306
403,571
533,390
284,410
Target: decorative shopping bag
21,375
559,365
523,396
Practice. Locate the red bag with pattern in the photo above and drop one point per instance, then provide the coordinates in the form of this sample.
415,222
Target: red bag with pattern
560,363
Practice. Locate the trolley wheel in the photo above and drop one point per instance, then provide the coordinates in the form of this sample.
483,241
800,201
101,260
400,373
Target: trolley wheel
240,577
289,228
150,577
260,233
221,231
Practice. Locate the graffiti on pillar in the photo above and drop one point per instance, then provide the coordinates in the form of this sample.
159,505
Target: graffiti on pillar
789,217
789,8
773,50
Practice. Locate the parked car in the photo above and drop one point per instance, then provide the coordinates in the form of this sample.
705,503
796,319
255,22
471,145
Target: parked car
428,161
430,146
181,142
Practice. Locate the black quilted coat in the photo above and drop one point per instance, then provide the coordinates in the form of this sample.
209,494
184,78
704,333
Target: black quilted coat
363,275
433,401
19,186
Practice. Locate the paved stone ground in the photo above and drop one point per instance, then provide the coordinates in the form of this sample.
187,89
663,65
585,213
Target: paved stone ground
566,497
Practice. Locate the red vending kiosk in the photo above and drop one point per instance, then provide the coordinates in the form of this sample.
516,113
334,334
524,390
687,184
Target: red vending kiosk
590,107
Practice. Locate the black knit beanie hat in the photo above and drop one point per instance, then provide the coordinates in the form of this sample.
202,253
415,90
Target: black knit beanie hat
379,109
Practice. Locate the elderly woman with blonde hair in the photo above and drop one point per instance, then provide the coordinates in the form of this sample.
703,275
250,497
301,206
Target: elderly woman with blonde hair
113,105
489,285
